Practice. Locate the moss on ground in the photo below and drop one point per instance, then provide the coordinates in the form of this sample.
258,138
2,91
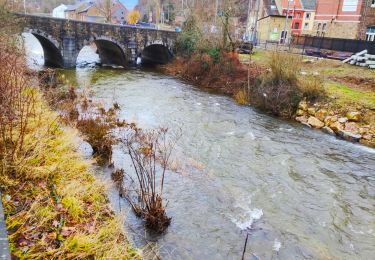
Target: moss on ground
54,206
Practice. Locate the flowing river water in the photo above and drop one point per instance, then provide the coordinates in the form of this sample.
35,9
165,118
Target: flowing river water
300,194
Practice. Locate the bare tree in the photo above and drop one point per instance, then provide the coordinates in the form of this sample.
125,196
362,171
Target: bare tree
105,6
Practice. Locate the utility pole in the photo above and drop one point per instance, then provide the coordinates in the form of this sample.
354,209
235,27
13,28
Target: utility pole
286,23
256,24
24,6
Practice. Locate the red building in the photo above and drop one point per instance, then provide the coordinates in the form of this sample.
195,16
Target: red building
296,11
338,18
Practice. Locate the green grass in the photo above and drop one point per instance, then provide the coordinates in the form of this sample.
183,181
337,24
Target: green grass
348,96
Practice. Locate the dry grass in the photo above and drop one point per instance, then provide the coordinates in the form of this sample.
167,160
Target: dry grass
242,97
55,208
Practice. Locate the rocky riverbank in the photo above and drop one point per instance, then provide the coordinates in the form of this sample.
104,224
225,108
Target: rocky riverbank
352,126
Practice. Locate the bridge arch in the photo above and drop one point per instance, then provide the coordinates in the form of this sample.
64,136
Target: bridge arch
156,53
111,52
51,48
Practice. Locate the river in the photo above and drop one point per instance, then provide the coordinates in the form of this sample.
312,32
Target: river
299,193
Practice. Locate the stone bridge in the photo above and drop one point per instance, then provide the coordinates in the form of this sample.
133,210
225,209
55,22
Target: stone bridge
63,39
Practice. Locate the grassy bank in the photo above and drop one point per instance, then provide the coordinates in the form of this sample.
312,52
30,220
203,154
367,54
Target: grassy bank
54,206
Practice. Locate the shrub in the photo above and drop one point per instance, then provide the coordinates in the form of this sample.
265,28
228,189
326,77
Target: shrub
189,37
98,134
278,91
312,88
147,149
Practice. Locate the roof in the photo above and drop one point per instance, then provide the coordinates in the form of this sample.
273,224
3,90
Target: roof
86,8
118,5
276,16
271,7
308,4
74,7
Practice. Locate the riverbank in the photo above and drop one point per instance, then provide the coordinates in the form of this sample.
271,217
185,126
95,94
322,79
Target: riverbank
54,206
344,106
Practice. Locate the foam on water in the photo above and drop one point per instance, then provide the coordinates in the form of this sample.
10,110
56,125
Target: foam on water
246,220
276,245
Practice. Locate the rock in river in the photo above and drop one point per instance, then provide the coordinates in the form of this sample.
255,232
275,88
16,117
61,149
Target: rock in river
336,127
315,122
349,136
301,119
328,130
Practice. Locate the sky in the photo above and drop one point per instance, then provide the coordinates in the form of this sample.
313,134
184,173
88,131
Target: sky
130,4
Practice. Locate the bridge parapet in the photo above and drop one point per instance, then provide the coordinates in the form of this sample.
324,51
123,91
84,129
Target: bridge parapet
62,40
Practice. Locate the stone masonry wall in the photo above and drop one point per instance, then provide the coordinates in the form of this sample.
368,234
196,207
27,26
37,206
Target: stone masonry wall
71,36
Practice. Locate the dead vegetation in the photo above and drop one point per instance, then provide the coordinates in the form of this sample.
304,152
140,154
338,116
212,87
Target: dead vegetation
150,152
54,207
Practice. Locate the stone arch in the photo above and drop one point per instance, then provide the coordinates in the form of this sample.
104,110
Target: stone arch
51,48
156,52
111,51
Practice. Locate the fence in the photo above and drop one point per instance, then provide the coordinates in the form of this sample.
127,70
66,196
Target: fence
334,44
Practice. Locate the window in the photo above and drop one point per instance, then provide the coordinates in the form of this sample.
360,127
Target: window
324,27
308,15
306,26
318,28
296,26
373,3
298,15
370,34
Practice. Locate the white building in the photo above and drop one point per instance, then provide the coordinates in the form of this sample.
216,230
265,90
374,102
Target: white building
59,12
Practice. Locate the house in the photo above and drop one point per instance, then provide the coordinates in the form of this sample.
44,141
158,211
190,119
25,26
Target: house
367,24
59,12
119,13
309,7
72,11
295,9
271,28
338,18
92,13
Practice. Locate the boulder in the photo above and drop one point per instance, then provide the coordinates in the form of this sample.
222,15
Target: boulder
343,120
363,130
352,127
367,137
301,119
311,111
300,112
336,127
330,120
349,136
315,122
368,143
354,116
328,130
321,114
303,105
306,124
